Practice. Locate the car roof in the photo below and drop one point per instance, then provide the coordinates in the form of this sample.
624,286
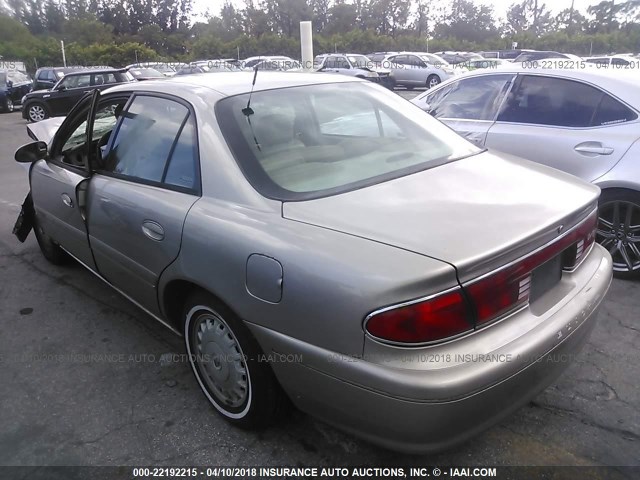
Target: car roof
234,83
96,70
621,83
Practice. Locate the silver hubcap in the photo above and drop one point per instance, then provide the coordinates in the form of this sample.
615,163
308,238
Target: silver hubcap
9,105
619,232
433,82
36,113
220,361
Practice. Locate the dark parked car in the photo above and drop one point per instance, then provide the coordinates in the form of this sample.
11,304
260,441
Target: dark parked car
13,86
144,73
65,94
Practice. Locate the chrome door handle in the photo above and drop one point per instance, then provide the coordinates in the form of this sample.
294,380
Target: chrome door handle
153,230
66,199
593,148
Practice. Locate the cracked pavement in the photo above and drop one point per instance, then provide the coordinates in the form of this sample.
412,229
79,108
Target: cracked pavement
130,404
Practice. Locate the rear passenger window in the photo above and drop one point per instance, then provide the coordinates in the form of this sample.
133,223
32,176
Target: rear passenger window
611,111
182,169
559,102
551,101
155,143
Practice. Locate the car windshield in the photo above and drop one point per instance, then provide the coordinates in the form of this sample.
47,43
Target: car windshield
12,76
145,73
163,68
310,141
434,59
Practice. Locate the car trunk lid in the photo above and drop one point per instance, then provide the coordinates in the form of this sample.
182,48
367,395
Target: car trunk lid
478,213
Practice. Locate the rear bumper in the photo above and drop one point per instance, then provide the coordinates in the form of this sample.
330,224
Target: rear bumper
437,403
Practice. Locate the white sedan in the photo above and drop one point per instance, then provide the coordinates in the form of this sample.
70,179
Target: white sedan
583,121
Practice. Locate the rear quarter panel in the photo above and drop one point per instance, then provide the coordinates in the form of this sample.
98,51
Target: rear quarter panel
331,281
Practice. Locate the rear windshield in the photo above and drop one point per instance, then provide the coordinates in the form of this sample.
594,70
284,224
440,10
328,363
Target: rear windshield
311,141
145,73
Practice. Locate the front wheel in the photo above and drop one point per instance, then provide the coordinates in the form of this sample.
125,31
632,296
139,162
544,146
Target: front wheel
50,250
432,81
619,230
229,365
8,105
390,83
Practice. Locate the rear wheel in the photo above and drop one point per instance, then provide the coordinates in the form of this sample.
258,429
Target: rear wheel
51,250
433,80
37,112
229,365
619,230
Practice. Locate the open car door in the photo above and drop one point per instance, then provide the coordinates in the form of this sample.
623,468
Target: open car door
58,183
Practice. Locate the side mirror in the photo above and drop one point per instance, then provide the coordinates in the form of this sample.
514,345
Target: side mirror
61,88
9,83
31,152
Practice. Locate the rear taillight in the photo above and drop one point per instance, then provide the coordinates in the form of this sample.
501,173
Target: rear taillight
582,239
491,296
508,288
429,320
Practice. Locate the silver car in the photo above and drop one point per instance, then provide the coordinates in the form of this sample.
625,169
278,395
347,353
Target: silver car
396,281
583,121
416,70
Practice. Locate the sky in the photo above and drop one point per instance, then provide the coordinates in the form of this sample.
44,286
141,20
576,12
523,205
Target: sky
500,7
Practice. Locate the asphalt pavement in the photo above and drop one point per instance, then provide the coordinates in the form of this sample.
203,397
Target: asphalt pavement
86,378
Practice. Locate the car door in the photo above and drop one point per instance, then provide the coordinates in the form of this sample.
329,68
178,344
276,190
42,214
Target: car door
343,66
58,184
564,123
66,93
141,192
400,69
417,70
469,105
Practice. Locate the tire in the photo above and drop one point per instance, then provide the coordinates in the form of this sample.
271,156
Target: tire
620,232
50,250
229,364
37,111
8,106
432,80
391,83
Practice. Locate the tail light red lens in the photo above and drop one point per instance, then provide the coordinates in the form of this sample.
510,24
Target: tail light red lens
433,319
508,289
584,237
490,297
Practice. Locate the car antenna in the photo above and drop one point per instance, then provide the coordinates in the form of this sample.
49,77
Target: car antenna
248,110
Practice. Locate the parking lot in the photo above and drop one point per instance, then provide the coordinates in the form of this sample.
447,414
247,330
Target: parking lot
86,378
